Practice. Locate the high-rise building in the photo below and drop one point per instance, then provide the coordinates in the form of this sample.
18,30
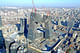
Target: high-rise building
31,34
2,43
46,26
46,20
0,22
21,25
25,28
35,19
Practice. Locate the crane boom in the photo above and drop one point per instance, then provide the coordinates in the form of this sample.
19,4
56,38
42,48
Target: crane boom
33,6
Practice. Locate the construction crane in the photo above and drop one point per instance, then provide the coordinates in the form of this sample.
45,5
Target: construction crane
34,8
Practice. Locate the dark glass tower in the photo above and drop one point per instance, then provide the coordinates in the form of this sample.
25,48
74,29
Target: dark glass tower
2,43
25,28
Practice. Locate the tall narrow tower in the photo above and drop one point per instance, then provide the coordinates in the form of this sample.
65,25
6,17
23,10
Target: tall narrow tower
46,21
25,28
21,25
2,43
31,28
0,22
34,21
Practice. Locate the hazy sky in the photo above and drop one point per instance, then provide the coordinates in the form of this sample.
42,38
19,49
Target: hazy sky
40,3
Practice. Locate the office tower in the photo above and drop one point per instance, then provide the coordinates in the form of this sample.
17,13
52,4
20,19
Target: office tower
46,20
35,19
31,34
25,28
2,43
0,22
21,25
46,27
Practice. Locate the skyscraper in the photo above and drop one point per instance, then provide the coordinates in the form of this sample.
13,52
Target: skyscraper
25,28
35,19
0,22
31,34
46,22
21,25
2,43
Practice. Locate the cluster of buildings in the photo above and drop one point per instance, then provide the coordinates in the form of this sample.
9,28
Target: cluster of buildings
48,30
